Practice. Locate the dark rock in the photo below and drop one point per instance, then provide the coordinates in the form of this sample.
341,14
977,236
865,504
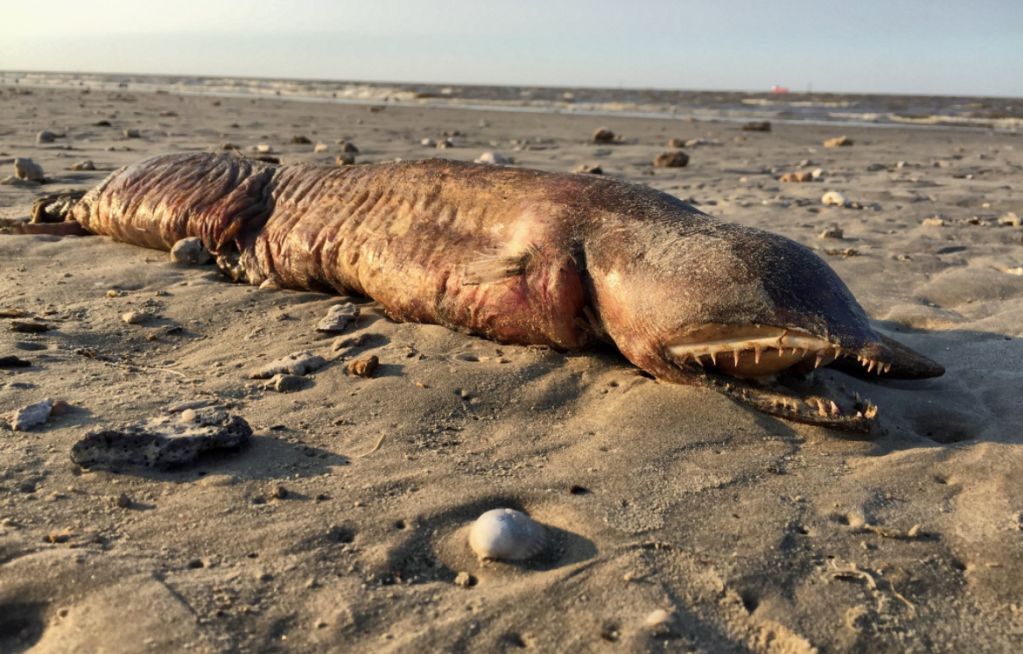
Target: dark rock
363,367
757,126
603,135
162,442
671,159
300,140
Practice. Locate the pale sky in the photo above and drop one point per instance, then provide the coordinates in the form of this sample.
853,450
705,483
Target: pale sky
931,47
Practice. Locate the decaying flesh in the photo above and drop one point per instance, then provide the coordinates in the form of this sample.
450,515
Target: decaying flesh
524,256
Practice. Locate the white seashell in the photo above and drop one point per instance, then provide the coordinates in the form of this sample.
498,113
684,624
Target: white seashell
507,534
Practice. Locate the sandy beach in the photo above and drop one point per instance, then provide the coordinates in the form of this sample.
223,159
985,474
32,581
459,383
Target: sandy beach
678,520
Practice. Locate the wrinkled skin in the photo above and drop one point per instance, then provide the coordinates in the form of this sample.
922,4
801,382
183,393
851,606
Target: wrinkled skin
524,256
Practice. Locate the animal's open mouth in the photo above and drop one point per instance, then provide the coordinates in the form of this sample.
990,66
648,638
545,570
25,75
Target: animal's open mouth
754,351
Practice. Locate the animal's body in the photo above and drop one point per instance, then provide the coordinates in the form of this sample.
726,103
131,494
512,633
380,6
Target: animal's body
521,256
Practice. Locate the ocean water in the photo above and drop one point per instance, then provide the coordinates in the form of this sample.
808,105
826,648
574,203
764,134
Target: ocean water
945,111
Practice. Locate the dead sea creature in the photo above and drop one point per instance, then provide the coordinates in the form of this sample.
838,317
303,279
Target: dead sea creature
506,535
529,257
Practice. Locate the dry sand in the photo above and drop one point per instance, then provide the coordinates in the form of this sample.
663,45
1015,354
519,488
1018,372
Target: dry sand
342,527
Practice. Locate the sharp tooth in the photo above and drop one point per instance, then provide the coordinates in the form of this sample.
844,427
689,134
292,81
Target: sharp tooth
871,411
887,367
820,359
834,408
820,407
735,357
757,351
870,367
714,358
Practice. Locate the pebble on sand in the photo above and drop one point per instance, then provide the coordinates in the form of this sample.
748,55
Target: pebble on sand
296,363
494,158
588,169
45,136
31,416
832,231
132,133
190,251
86,164
1009,218
348,146
344,159
300,140
671,159
25,168
363,367
284,383
507,535
757,126
834,199
838,142
603,135
338,318
135,317
321,147
799,176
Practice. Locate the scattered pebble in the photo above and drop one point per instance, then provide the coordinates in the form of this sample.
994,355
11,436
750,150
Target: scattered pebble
123,501
86,164
263,148
338,318
347,146
300,140
132,133
508,535
162,442
297,363
190,251
45,136
25,168
465,580
757,126
800,176
1009,218
428,143
671,159
493,158
933,221
31,416
834,199
838,142
285,383
344,159
832,231
320,147
136,317
603,135
588,169
676,144
363,367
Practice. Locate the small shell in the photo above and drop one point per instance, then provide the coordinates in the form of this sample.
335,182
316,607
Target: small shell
508,535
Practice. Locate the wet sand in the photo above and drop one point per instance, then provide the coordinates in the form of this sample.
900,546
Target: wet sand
342,526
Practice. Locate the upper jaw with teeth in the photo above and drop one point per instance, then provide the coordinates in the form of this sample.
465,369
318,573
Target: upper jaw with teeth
759,351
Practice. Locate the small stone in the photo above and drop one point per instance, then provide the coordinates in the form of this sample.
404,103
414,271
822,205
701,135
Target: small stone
190,251
493,158
31,416
320,147
588,169
132,133
338,318
671,159
300,140
363,367
135,317
428,143
59,536
817,173
263,148
348,147
834,199
284,383
103,123
344,159
676,144
833,231
297,363
800,176
85,164
658,618
933,221
27,169
465,580
122,501
45,136
757,126
603,135
444,144
278,492
875,167
838,142
1009,218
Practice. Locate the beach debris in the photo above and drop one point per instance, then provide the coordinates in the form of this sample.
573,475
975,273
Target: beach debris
933,221
506,535
162,442
297,363
445,143
832,231
757,126
344,159
428,143
494,158
11,361
190,251
834,199
817,173
132,133
660,622
284,383
85,164
799,176
45,136
103,123
1009,218
25,168
675,144
671,159
348,146
363,367
838,142
136,316
263,148
31,326
465,580
300,140
54,207
320,147
338,318
603,135
588,169
34,415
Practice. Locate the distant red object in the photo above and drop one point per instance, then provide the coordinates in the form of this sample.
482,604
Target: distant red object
779,89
